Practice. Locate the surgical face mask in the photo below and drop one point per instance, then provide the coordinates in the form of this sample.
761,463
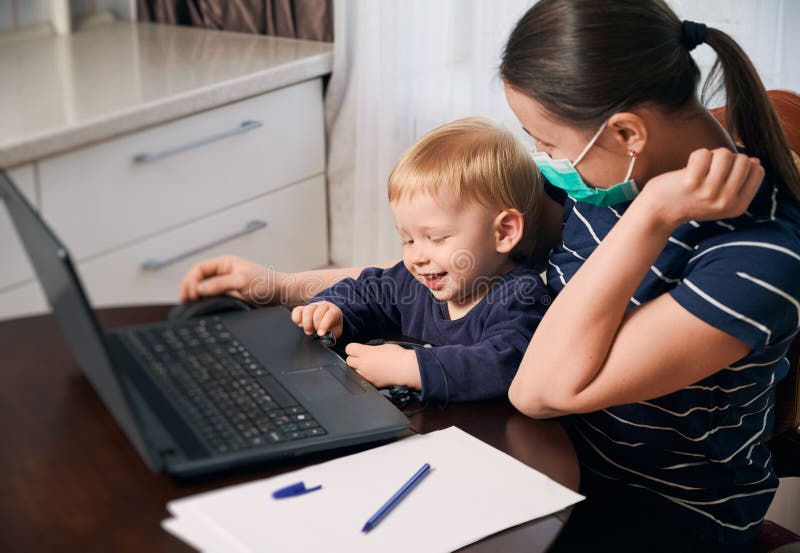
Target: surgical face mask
562,173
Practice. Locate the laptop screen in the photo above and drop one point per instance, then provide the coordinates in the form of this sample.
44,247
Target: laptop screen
71,309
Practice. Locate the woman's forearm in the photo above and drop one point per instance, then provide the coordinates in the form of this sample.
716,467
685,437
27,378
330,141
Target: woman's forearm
298,288
573,339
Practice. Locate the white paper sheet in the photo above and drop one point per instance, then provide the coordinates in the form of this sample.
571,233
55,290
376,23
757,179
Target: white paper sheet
472,491
200,535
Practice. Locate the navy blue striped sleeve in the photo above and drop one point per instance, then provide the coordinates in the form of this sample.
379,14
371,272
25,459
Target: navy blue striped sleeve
748,288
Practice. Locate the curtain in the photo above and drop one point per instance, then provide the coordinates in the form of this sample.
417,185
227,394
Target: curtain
305,19
402,67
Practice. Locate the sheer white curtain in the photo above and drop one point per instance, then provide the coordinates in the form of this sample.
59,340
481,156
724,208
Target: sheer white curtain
402,67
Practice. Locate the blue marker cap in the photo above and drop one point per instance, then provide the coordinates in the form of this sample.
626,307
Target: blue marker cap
293,490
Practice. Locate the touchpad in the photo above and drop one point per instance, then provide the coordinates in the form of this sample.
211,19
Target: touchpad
317,384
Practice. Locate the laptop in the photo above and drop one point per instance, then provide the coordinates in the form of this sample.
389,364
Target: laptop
209,393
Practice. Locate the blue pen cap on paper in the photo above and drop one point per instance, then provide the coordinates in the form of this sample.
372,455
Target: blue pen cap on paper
293,490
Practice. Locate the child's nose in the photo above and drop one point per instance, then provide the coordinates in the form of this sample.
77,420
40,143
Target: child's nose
418,255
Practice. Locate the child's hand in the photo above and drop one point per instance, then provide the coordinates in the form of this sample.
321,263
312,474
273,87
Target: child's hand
321,316
715,184
385,365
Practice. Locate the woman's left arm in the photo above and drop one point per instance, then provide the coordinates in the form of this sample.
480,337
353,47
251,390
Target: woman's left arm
588,352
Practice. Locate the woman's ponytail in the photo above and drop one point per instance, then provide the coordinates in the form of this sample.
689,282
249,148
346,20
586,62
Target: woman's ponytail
585,60
750,116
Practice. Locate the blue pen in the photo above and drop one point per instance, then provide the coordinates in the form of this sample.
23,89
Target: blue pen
395,499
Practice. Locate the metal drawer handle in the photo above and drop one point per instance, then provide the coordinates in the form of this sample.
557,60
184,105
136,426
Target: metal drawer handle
146,157
157,264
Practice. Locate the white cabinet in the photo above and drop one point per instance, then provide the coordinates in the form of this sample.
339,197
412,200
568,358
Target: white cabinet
22,300
15,265
137,211
290,234
101,197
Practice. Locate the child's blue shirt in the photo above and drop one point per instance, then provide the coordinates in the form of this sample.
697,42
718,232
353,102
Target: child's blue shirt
473,357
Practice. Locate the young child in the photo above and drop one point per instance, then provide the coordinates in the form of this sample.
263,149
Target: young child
465,200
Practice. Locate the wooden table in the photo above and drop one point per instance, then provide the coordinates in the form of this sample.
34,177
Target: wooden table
71,481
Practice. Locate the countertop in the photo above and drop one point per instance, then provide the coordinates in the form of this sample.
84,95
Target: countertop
62,92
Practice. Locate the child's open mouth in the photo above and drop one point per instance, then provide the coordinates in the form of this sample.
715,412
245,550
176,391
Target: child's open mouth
433,280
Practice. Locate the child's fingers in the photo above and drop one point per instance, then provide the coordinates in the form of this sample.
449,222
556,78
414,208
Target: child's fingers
355,349
353,362
308,318
353,359
329,321
297,315
319,313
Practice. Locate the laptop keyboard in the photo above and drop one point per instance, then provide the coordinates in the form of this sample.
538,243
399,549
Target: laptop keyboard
224,392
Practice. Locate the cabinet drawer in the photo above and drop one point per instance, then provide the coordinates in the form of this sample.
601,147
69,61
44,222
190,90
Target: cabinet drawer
16,267
100,197
294,238
23,301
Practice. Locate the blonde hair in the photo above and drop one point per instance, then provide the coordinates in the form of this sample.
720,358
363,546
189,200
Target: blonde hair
474,160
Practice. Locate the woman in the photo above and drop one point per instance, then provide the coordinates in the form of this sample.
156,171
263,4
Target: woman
665,344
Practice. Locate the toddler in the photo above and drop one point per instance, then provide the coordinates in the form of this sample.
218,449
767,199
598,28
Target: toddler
465,200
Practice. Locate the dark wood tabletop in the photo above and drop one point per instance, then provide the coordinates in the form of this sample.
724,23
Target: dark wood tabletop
71,481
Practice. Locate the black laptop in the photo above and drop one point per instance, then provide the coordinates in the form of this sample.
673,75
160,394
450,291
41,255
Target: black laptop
207,393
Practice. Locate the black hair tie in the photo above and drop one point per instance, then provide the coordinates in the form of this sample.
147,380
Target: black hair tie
692,34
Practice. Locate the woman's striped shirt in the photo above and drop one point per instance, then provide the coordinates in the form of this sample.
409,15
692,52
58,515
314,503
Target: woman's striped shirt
701,448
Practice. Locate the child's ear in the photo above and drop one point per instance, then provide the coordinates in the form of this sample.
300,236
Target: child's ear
508,228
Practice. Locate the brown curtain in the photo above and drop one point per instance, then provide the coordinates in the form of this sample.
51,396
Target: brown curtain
306,19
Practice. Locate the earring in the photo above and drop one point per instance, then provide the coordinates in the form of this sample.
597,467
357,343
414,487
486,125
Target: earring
633,155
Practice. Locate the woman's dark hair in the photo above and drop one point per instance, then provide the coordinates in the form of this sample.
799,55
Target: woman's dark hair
585,60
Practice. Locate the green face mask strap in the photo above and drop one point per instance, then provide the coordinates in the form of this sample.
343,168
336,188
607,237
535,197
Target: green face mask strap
590,144
633,155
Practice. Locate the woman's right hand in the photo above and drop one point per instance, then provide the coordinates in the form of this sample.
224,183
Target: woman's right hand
232,275
715,184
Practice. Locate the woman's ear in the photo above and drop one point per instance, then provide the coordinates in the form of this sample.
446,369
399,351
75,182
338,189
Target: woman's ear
508,228
628,132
